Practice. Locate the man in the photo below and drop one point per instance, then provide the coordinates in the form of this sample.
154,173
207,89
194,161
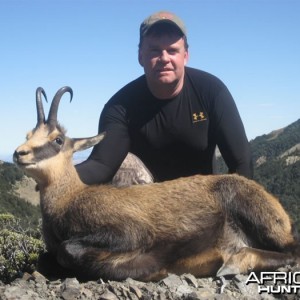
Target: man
172,117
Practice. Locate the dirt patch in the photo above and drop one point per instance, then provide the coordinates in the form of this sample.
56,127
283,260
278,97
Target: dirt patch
25,189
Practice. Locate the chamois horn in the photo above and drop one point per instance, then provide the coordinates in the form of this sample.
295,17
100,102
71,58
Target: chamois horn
52,117
39,106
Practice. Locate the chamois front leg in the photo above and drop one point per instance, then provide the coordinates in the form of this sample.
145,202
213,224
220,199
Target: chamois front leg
75,255
109,254
92,263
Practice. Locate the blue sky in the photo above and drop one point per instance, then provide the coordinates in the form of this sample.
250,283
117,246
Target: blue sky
252,46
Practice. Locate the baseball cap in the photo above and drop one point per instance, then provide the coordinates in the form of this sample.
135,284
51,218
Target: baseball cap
161,17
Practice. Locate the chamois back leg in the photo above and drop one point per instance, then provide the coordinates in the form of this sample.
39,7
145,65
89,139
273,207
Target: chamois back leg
260,222
250,259
258,214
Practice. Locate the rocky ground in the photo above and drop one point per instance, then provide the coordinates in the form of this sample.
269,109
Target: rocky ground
36,287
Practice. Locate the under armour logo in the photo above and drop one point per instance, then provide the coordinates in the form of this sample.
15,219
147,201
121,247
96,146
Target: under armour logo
198,117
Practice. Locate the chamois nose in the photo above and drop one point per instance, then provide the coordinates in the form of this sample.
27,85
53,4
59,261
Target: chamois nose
19,153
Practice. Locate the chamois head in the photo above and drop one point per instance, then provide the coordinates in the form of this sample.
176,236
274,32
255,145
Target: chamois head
47,146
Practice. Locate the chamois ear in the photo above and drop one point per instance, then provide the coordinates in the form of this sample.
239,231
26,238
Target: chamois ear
85,143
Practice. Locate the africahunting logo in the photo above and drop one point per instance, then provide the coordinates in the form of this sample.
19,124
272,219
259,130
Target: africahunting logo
276,282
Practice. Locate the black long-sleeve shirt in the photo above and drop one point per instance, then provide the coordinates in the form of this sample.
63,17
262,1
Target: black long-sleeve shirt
175,137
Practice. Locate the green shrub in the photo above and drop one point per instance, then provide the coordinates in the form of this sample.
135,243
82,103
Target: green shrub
19,250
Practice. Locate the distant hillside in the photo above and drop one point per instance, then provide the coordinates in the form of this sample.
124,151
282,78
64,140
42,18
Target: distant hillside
10,201
277,165
279,144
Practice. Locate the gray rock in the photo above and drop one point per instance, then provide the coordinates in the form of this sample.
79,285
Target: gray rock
70,289
202,294
250,290
108,296
187,287
18,292
190,279
172,281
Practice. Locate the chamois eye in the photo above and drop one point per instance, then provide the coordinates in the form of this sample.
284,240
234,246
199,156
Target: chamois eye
59,141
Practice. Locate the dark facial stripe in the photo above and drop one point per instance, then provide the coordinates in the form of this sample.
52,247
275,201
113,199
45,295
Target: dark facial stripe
46,151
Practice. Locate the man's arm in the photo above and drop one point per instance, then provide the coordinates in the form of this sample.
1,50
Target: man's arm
231,137
108,155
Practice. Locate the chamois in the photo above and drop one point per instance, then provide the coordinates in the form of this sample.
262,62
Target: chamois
213,225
